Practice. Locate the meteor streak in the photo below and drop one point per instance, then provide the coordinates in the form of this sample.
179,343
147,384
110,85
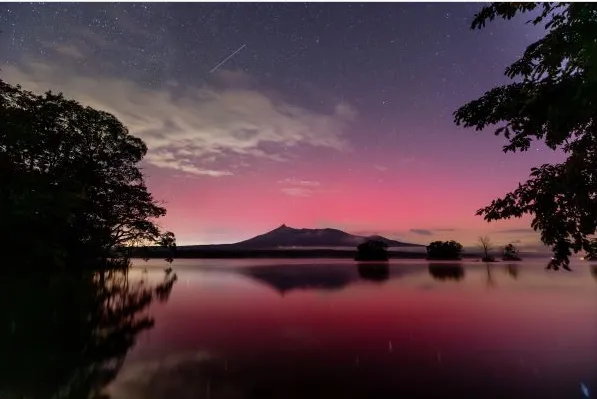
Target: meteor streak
227,58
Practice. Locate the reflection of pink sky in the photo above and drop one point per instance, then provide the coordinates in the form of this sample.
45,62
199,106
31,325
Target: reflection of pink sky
538,323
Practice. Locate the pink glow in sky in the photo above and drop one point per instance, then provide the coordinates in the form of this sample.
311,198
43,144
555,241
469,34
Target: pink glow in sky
332,115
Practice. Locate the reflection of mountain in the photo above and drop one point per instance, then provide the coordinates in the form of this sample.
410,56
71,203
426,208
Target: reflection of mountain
446,271
67,336
374,271
331,277
286,278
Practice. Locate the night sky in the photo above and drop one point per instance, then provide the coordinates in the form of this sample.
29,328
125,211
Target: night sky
329,115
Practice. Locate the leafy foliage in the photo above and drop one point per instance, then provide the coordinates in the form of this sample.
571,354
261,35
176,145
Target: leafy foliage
444,250
510,252
71,192
372,250
553,98
591,252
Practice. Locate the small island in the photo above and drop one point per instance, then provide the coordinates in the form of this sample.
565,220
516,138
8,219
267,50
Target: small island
510,253
444,250
372,250
486,246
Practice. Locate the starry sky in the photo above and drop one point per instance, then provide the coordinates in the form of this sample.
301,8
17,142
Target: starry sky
328,115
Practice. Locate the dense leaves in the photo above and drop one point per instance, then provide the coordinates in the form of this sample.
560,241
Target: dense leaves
372,250
444,250
510,253
71,192
554,99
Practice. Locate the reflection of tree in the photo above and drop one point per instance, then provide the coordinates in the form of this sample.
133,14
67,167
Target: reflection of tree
446,271
594,271
374,271
490,280
512,270
67,336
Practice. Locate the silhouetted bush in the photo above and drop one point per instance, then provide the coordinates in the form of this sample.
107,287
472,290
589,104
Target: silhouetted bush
372,250
510,253
444,250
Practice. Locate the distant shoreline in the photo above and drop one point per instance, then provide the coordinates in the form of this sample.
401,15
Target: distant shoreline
298,254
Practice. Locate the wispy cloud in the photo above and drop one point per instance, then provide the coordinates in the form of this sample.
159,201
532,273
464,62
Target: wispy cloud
516,231
297,191
296,182
422,232
67,50
184,128
381,168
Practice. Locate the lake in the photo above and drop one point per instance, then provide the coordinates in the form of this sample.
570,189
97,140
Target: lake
333,329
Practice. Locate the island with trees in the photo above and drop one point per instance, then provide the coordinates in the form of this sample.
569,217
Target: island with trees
444,250
372,250
486,246
511,253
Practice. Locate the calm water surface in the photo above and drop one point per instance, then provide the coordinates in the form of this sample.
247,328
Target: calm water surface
302,329
310,329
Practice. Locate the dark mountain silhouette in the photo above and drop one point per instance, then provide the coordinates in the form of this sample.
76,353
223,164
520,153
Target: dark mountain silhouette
285,236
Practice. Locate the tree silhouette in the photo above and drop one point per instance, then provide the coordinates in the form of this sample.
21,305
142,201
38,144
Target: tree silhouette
71,192
486,245
444,250
591,251
553,99
372,250
510,253
67,335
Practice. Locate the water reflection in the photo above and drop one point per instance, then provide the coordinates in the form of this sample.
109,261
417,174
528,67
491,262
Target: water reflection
285,278
378,272
594,271
228,334
512,270
67,336
446,271
323,277
490,280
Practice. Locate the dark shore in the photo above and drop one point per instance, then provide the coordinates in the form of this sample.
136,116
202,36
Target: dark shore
274,253
229,253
